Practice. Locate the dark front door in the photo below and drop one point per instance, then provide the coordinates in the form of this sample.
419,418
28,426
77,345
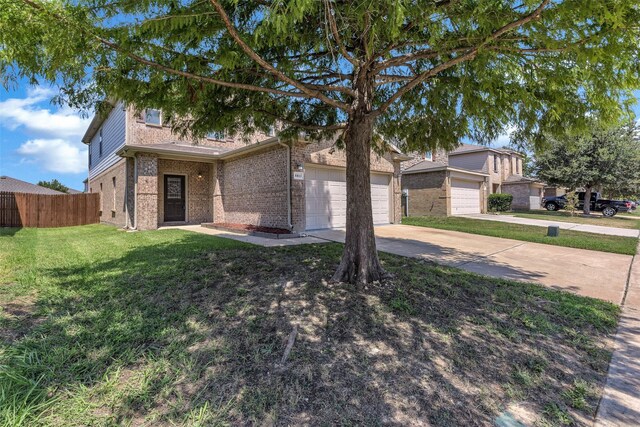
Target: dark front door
174,198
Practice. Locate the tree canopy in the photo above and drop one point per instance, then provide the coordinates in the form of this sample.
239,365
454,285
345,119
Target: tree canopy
442,69
601,158
54,184
424,74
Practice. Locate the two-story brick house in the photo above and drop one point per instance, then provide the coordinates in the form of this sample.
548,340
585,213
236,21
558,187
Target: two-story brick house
459,182
148,176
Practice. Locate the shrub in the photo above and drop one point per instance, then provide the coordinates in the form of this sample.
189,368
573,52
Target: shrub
500,202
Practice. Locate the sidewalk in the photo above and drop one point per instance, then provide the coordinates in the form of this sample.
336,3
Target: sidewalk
620,404
597,229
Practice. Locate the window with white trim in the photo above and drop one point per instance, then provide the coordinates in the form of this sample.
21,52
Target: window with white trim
153,117
217,135
428,155
100,143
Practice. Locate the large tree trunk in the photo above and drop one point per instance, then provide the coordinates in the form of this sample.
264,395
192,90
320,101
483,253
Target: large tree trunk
586,208
360,263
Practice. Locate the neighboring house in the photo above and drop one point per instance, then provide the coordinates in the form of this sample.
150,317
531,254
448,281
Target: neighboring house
459,182
433,187
13,185
147,176
554,191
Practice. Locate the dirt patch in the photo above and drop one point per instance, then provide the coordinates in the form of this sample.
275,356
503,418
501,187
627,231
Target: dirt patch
17,318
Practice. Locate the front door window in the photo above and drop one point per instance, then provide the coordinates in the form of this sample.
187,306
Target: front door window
174,198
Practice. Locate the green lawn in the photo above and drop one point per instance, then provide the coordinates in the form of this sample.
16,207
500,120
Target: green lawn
623,220
529,233
102,327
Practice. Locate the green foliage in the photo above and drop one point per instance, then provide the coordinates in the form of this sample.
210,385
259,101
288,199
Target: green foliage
54,184
601,156
532,66
572,202
500,202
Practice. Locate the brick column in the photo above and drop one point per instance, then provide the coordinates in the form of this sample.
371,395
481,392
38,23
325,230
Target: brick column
396,188
298,214
147,192
130,191
217,185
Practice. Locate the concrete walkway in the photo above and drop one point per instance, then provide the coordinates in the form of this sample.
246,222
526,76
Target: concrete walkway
594,274
596,229
620,404
241,237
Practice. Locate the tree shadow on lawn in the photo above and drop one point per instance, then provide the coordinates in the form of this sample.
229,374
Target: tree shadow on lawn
193,331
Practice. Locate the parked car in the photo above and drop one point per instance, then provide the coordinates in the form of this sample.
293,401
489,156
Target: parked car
607,207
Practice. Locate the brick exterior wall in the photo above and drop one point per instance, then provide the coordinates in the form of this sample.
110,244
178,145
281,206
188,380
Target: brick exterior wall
138,132
112,199
428,193
147,192
252,189
198,190
520,193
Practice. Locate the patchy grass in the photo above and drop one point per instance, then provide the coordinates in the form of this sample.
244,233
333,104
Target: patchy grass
622,220
529,233
102,327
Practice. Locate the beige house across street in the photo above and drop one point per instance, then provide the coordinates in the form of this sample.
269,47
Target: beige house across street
459,182
148,177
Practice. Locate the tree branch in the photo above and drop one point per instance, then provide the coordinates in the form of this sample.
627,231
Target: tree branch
336,35
470,54
338,126
169,70
267,66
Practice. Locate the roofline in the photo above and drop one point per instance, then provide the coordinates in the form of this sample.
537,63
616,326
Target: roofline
97,121
129,150
480,149
445,168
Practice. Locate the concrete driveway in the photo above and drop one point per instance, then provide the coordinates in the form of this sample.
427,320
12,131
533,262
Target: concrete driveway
590,273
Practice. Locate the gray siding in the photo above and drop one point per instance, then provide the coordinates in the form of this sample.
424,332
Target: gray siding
113,137
471,161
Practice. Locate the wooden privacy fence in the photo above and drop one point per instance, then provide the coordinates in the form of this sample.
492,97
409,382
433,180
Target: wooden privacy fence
48,210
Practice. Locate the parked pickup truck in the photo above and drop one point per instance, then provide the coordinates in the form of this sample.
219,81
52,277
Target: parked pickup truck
607,207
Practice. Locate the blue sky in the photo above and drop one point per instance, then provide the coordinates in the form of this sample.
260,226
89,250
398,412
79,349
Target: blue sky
42,141
39,140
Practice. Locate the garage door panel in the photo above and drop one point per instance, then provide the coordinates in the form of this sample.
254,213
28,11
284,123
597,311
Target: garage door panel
465,197
326,198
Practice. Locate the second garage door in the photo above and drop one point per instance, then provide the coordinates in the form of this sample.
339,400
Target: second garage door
326,198
465,197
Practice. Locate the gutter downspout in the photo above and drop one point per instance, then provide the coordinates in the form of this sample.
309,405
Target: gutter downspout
289,224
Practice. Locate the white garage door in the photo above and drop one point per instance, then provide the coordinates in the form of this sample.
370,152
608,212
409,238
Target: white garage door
326,198
535,201
465,197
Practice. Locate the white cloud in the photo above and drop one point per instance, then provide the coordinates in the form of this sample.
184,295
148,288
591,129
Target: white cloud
27,114
55,155
504,139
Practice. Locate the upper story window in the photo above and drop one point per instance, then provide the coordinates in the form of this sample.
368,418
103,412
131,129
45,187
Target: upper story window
90,163
271,131
495,163
217,135
152,117
100,143
428,155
